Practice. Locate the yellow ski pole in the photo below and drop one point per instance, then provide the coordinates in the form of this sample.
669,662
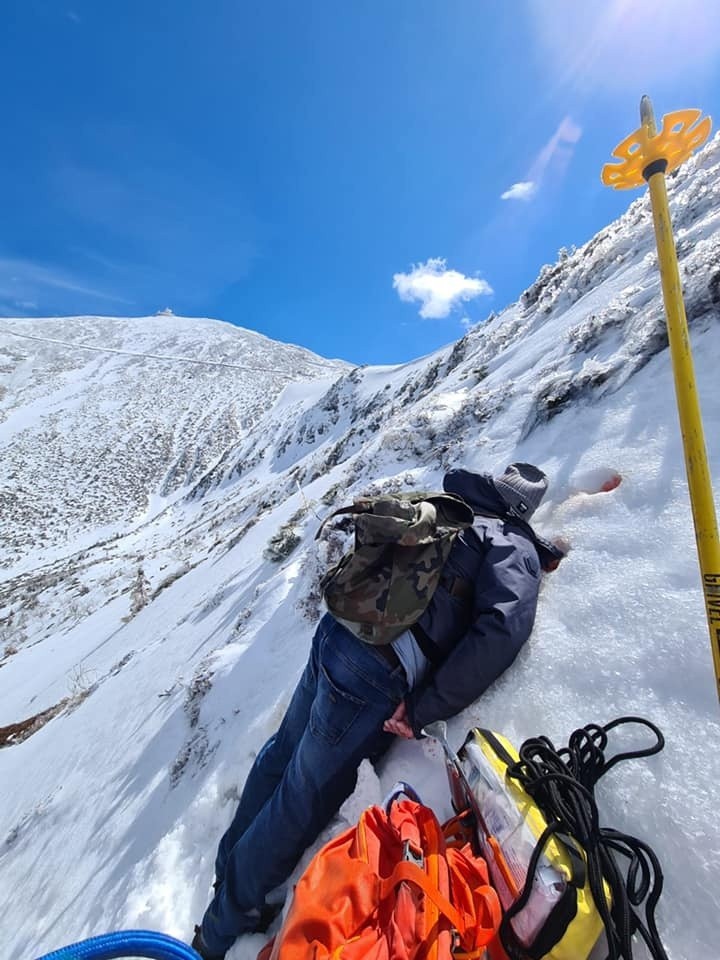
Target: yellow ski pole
646,156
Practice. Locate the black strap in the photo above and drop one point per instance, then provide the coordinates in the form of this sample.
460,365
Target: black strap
458,587
351,508
429,648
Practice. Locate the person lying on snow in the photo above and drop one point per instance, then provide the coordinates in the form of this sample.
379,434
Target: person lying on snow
353,697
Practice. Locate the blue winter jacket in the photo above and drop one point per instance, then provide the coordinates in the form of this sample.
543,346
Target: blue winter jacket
476,637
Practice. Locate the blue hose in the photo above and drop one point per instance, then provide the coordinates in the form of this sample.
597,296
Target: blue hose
125,943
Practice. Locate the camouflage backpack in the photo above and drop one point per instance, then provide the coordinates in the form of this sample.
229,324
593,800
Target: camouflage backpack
402,541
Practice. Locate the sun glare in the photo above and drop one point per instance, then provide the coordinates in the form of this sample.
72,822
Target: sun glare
627,43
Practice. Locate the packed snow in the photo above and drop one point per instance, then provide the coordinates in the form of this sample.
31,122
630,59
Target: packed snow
126,414
153,648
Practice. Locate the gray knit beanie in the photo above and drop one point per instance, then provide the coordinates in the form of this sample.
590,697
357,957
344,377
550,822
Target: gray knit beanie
522,487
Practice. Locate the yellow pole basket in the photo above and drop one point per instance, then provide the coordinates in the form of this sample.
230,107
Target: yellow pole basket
646,156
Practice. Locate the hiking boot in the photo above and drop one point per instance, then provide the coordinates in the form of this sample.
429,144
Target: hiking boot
259,920
198,946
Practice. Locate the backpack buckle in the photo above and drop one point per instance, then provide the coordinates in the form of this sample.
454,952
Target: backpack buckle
413,854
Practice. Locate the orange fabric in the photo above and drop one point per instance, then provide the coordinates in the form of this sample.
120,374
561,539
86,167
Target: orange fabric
458,830
360,900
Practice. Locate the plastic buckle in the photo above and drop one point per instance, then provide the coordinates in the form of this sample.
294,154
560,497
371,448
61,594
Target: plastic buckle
413,854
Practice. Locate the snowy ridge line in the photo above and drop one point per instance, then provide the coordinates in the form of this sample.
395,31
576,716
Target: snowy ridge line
135,437
156,356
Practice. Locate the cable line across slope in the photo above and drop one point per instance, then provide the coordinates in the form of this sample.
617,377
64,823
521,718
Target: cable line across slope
158,356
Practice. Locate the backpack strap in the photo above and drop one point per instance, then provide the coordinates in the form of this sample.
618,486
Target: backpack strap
408,871
351,508
462,922
427,645
458,587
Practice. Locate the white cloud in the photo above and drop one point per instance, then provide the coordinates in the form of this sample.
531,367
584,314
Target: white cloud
553,157
520,191
25,282
437,288
558,151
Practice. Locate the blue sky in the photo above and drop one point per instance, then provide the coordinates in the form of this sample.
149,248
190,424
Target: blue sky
328,173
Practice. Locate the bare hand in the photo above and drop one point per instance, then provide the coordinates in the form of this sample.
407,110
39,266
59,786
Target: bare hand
398,723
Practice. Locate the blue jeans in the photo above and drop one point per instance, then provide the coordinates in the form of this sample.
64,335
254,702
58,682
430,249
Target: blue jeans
302,775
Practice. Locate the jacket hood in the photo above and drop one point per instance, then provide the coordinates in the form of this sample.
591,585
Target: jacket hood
481,495
476,489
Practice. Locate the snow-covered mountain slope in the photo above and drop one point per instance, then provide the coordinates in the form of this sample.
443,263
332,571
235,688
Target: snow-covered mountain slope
103,419
151,667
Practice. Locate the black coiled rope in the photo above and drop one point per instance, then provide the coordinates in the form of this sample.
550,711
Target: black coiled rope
562,783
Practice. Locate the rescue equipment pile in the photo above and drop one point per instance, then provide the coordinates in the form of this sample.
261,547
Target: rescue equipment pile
525,870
